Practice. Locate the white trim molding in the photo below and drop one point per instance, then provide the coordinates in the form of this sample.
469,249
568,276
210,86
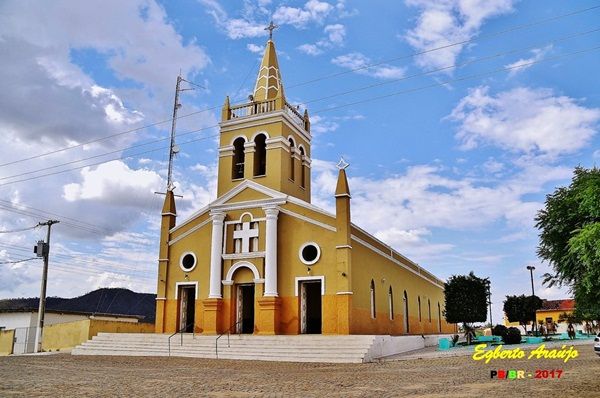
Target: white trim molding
304,245
299,279
181,261
190,231
178,284
240,264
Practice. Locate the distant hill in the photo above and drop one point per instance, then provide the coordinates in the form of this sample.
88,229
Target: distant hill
105,300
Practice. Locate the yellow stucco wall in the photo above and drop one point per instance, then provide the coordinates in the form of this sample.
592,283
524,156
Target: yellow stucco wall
6,341
70,334
542,315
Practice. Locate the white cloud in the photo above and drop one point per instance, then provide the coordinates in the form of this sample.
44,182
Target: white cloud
424,198
360,64
313,11
40,75
113,183
493,166
444,22
254,48
321,125
335,38
336,33
537,54
235,28
525,120
310,49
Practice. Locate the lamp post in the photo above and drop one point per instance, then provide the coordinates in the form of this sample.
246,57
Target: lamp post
531,268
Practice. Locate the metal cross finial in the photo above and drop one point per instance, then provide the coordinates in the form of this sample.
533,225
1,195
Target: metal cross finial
342,164
271,28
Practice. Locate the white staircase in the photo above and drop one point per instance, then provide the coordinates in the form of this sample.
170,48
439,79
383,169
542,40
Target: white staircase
299,348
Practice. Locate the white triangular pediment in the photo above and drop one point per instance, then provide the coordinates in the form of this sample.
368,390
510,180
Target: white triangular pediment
228,197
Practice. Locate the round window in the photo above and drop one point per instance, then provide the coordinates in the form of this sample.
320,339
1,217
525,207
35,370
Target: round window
187,261
310,253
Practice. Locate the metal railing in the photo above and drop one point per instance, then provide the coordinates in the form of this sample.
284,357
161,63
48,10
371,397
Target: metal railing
180,332
268,106
228,332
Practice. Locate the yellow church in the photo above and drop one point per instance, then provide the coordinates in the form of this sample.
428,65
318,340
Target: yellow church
261,259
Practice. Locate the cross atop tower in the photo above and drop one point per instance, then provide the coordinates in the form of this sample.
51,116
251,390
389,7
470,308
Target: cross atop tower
271,28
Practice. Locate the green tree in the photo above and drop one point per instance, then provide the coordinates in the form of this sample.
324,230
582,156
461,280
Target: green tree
522,309
466,300
570,240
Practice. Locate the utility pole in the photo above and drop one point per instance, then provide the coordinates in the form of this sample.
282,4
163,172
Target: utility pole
43,250
534,327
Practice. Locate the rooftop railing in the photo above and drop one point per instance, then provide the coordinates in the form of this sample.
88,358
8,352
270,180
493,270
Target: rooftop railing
268,106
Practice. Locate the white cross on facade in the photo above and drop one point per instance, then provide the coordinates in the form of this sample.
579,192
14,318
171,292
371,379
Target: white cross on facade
246,234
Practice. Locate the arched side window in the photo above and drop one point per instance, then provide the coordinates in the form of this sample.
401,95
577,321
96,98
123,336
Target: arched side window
429,309
238,158
419,300
302,168
373,312
260,155
292,162
391,303
406,322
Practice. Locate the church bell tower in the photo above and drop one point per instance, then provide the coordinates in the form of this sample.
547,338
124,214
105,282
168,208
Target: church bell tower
266,139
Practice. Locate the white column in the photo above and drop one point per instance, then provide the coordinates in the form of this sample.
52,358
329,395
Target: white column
271,252
216,248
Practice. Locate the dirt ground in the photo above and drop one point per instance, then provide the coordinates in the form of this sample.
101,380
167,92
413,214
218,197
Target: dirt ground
63,375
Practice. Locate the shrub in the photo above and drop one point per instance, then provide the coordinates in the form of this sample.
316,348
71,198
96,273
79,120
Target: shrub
499,330
512,336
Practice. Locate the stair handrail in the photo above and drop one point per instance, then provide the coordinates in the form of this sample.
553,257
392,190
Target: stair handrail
180,332
223,334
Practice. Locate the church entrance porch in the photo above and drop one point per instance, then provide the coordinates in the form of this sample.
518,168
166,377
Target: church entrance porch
187,308
245,308
310,307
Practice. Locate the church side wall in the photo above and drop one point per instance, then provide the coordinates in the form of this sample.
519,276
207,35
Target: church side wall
367,266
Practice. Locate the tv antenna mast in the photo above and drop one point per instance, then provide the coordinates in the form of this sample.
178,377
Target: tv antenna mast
173,148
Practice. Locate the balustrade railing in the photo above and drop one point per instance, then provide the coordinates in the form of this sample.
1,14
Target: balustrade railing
259,107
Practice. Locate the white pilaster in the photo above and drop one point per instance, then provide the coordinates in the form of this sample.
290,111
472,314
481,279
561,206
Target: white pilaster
271,252
215,254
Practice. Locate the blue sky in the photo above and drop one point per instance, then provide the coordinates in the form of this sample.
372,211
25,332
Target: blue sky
451,151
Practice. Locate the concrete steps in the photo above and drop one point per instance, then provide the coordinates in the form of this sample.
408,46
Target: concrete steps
303,348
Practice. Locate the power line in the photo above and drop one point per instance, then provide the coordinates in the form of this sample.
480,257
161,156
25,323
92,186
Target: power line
49,212
464,78
109,160
19,261
472,61
484,36
18,230
468,77
511,29
480,59
38,216
104,154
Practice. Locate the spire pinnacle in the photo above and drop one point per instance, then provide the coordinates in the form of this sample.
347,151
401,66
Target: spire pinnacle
268,83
